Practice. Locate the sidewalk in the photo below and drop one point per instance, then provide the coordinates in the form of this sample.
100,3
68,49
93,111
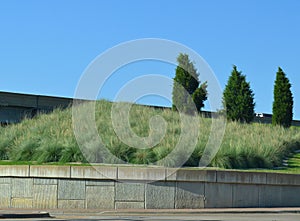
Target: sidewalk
28,213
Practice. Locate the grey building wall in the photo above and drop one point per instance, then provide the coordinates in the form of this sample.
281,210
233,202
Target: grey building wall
14,106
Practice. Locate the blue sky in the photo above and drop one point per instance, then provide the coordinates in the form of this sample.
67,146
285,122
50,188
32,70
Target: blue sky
46,45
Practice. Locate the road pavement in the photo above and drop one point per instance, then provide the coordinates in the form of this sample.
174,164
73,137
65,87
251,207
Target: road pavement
275,214
164,217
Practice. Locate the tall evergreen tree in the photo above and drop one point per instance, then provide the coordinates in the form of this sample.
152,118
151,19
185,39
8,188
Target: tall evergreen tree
186,90
283,100
238,98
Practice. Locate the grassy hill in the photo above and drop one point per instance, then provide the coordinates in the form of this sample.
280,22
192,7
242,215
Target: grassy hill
50,138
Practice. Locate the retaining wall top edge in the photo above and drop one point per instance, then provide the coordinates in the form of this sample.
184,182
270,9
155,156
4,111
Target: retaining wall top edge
149,174
14,170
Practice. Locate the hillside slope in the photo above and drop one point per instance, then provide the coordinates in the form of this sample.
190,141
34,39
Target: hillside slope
50,138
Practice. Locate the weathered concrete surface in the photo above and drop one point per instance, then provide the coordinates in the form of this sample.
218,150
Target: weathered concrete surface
218,195
141,173
71,190
95,172
245,195
126,187
5,180
50,171
257,178
283,179
71,204
130,192
45,181
22,188
171,174
270,196
5,195
16,171
5,192
99,183
100,197
130,205
45,196
160,195
189,195
241,177
194,175
290,195
276,196
26,203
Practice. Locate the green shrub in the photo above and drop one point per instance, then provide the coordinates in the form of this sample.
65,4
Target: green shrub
49,153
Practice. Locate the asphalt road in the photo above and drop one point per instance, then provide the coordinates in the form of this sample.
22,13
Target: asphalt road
183,217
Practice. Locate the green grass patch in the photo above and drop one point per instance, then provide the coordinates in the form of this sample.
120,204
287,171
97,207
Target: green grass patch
49,138
294,162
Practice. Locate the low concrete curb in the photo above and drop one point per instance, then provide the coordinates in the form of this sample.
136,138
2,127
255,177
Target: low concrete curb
28,214
201,211
172,211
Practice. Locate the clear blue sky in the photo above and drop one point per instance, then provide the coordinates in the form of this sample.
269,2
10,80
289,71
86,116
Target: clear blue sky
46,45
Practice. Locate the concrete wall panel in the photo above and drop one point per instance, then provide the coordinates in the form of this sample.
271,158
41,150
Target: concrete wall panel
100,197
71,190
290,196
245,195
218,195
130,192
5,195
189,195
22,188
45,196
160,195
270,196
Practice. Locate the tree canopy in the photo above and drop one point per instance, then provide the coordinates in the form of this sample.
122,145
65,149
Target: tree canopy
238,98
283,100
186,90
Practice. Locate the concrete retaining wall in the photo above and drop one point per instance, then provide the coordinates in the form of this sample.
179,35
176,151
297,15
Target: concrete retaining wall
50,187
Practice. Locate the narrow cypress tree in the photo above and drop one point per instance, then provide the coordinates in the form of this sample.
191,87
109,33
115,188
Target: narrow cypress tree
186,88
283,100
238,98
